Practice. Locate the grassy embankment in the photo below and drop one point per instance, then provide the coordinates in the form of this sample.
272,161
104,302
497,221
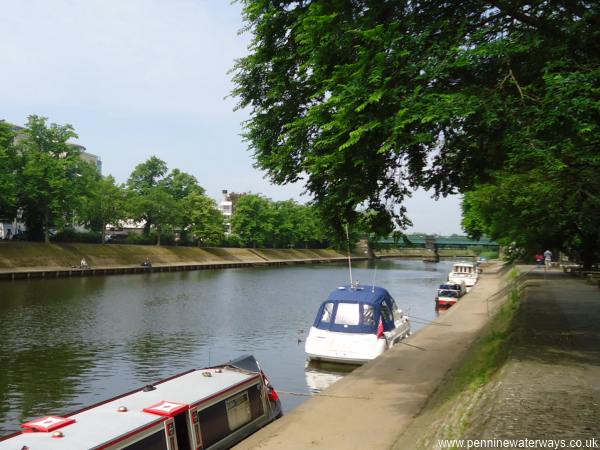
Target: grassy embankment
32,255
449,412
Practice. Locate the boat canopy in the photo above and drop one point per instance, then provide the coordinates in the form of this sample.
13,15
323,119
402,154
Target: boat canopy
357,309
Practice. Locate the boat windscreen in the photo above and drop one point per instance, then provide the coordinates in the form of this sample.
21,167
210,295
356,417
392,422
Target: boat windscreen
447,293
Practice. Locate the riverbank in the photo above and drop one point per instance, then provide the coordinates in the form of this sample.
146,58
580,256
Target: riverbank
545,383
374,405
515,359
31,259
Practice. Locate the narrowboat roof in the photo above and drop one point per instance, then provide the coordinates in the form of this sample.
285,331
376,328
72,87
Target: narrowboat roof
103,423
359,294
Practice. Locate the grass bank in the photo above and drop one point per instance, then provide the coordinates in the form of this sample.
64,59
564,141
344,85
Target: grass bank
32,255
449,412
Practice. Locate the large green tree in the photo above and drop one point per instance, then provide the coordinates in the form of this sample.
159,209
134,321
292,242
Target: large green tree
52,178
253,220
367,100
205,221
105,204
8,172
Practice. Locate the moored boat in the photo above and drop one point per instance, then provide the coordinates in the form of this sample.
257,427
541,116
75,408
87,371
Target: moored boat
464,272
355,325
211,408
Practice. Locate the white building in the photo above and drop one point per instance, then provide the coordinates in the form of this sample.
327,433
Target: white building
226,208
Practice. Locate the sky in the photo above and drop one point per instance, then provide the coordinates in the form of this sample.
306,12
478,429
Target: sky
142,78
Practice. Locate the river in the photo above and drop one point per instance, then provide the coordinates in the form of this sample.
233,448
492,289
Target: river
70,342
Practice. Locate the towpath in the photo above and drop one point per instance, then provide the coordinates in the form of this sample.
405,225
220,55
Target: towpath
550,386
371,407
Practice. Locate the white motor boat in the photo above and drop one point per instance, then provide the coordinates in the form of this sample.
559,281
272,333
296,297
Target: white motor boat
464,272
356,324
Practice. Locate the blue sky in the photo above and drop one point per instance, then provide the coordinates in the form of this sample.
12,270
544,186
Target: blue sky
138,78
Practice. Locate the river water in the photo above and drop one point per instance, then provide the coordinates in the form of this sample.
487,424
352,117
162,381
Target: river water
70,342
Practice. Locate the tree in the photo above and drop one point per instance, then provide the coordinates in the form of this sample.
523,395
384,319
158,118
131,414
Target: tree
551,206
206,223
368,100
144,180
252,220
51,176
8,170
183,186
105,204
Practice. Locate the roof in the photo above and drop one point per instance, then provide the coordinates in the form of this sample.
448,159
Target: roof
359,294
103,423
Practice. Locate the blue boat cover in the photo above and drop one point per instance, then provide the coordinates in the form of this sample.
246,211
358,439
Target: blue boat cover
374,304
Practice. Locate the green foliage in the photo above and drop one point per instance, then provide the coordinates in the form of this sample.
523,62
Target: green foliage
368,100
259,222
51,176
205,223
70,235
105,203
252,220
8,179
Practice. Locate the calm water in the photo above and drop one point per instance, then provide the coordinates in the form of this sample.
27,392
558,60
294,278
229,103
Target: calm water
67,343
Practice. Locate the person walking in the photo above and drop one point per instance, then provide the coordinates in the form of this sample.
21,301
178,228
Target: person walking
548,258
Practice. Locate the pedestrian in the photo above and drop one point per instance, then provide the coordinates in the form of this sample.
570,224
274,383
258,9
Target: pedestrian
83,264
548,258
539,259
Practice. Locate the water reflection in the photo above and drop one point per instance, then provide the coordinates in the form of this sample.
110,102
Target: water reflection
320,374
71,342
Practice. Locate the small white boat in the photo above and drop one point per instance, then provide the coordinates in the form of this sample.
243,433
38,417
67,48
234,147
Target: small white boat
212,408
464,272
449,293
356,324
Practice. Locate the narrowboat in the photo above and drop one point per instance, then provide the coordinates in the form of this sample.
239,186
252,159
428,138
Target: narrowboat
464,272
355,325
211,408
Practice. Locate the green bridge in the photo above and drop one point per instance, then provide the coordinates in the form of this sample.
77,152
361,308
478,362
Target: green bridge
422,241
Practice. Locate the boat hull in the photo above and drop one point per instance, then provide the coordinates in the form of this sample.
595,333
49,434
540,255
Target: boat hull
351,348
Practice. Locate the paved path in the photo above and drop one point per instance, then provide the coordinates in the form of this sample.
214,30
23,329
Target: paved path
550,386
370,408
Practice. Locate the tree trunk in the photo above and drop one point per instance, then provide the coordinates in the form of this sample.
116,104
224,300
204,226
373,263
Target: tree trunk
46,231
370,251
158,237
103,232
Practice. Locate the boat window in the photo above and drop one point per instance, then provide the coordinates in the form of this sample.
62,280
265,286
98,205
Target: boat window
395,310
238,411
221,419
386,313
181,429
368,315
445,293
327,313
155,441
347,314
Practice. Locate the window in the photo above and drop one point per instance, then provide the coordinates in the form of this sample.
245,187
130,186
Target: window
368,315
347,314
386,313
155,441
238,411
327,313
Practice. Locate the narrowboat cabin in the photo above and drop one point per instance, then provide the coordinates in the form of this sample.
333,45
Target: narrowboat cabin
355,325
212,408
464,272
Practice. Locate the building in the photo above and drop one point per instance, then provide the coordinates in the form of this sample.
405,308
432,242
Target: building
226,208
